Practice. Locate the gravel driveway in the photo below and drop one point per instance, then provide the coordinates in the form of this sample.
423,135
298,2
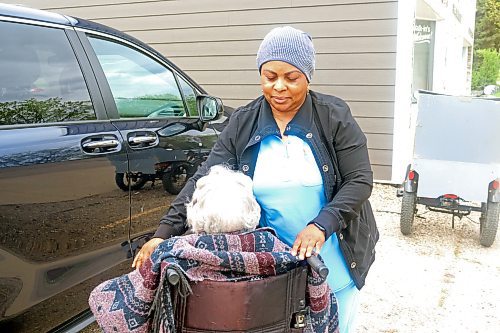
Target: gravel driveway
437,280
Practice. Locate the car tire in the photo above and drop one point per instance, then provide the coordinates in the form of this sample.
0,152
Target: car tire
122,181
489,224
408,208
176,178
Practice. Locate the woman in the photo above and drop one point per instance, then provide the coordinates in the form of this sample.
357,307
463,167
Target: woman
309,162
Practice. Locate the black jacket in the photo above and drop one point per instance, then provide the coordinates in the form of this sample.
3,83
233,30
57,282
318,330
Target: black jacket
339,147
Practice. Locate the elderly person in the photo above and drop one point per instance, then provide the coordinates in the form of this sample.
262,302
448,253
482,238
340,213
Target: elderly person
224,247
223,202
309,162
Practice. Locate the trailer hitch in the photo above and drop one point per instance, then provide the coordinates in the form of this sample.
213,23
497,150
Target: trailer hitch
450,203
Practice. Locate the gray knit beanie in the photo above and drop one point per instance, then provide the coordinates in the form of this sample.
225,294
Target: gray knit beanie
289,45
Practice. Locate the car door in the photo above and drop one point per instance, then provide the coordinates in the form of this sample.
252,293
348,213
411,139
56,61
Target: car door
154,107
63,222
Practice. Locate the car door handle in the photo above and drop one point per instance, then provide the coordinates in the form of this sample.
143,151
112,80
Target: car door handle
142,139
101,144
137,140
105,144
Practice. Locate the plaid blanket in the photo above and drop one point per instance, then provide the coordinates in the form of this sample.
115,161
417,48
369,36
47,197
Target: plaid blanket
142,301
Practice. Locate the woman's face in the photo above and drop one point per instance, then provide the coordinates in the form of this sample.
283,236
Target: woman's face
283,85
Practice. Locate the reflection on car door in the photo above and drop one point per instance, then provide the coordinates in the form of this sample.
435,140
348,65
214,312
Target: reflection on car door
62,219
150,102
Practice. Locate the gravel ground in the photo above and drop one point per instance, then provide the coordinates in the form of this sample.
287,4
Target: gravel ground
438,279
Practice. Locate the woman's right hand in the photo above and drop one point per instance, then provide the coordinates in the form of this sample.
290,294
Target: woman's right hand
145,252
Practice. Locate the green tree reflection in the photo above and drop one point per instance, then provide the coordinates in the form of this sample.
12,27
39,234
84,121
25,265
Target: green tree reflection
33,111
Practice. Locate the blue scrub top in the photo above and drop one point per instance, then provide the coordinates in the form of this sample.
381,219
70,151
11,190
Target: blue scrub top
288,186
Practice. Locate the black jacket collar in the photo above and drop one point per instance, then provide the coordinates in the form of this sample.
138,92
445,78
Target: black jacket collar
266,125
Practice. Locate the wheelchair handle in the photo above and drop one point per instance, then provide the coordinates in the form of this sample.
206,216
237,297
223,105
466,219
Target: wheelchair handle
318,266
172,276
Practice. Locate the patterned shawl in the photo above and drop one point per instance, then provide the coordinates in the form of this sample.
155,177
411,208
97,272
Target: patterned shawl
141,301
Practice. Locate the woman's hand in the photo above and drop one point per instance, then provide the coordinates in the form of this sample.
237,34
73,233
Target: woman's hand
145,251
310,238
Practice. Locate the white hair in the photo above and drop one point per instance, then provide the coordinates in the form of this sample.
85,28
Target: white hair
223,202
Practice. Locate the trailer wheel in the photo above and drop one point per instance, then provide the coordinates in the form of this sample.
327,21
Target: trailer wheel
408,207
489,224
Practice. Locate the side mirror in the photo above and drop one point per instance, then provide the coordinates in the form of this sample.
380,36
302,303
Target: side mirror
209,107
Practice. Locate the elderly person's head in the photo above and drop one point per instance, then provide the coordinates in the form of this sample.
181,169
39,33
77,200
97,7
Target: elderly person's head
286,62
223,202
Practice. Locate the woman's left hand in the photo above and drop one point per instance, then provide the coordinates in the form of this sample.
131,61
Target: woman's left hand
309,239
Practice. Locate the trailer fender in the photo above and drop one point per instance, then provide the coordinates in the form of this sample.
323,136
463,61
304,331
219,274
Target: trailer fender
494,191
410,184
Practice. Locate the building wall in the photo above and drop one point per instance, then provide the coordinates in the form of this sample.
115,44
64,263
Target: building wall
215,42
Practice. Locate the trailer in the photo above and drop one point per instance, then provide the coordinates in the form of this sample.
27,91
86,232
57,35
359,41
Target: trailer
455,165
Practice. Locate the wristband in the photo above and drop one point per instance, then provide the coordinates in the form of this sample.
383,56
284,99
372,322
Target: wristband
320,227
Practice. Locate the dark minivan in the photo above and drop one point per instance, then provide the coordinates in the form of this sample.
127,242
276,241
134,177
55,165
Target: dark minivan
82,106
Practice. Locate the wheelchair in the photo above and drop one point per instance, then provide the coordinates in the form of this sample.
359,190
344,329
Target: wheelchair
275,304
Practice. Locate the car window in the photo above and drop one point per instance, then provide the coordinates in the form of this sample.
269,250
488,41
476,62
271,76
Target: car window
189,96
40,79
141,86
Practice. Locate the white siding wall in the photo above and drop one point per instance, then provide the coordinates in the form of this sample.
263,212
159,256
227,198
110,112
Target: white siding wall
215,42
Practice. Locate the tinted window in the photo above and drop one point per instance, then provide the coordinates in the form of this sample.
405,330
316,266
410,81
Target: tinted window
141,86
189,96
40,79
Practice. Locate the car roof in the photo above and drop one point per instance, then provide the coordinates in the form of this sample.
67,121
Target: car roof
22,12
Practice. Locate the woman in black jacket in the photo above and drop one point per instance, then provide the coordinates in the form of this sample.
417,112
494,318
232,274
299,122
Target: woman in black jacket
309,163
